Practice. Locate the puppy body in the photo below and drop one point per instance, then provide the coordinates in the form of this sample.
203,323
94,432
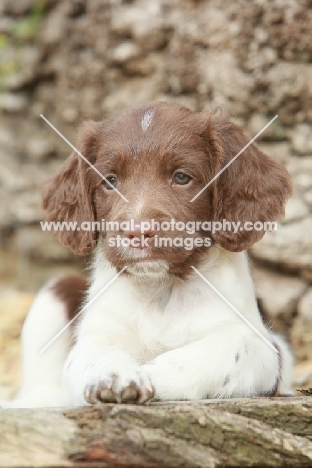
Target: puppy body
175,336
158,329
179,334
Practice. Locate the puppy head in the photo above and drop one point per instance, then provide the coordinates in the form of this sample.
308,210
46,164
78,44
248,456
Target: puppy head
159,156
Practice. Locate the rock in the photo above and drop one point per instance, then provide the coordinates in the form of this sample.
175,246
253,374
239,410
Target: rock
28,209
21,7
12,102
7,139
87,60
278,295
32,243
13,309
305,308
181,68
302,139
279,151
140,21
295,209
70,115
14,306
19,69
289,247
21,270
308,197
40,148
301,171
276,131
302,329
301,338
291,94
206,434
11,178
27,61
265,57
302,375
6,25
125,52
188,101
52,33
144,65
124,96
26,178
8,262
303,180
222,78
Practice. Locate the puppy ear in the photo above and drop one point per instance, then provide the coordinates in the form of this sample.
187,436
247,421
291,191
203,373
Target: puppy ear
68,196
253,188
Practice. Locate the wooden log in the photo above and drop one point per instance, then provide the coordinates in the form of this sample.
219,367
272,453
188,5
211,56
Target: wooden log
210,433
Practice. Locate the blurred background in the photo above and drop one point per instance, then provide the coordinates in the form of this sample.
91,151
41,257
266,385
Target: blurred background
73,60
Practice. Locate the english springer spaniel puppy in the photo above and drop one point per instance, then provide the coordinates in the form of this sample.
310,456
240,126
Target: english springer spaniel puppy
158,320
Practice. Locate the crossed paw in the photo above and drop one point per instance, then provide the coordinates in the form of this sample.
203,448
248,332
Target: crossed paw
129,386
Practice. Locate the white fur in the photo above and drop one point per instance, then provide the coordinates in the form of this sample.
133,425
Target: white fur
42,373
156,329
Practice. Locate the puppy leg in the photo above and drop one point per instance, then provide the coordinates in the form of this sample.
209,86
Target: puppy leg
96,373
42,373
232,361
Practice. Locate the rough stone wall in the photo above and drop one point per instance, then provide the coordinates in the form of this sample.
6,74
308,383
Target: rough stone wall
76,60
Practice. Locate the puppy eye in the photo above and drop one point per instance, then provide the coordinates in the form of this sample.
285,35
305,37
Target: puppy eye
112,179
181,179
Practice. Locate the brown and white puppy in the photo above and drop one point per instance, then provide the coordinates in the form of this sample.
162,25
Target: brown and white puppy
151,326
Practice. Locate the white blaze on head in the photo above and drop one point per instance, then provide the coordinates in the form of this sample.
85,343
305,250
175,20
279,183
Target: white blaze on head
147,119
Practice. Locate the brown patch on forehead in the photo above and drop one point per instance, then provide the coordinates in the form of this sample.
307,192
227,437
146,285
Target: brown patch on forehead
161,112
172,140
170,127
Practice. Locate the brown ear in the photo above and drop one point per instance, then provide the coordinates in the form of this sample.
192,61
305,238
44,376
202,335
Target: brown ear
68,196
253,188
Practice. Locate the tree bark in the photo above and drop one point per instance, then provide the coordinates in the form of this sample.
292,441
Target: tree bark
211,433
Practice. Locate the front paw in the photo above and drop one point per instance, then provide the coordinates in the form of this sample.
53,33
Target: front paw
125,386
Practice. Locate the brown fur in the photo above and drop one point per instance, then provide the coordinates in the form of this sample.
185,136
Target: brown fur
253,188
71,291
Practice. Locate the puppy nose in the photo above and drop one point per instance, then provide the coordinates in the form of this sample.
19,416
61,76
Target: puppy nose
140,229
